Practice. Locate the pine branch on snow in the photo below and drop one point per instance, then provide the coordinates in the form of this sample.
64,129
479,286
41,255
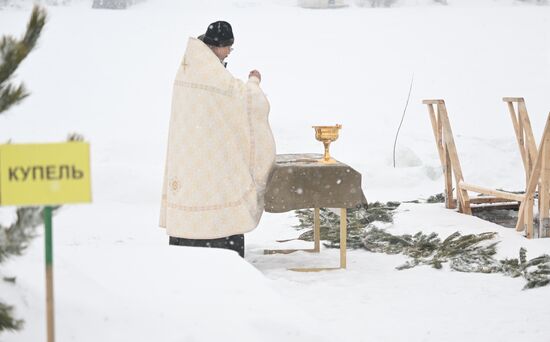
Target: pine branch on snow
357,219
437,198
463,253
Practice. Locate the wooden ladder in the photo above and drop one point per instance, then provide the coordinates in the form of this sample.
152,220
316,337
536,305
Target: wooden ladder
448,155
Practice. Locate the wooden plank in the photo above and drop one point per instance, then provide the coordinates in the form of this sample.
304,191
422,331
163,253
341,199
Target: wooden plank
513,99
443,133
316,239
437,134
462,195
288,251
501,206
432,102
443,156
486,200
447,168
534,178
528,162
440,139
449,203
544,195
529,137
529,218
487,191
343,237
520,225
519,137
532,154
316,231
489,200
314,269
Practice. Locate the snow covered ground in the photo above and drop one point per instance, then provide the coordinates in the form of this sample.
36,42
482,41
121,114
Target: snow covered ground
108,74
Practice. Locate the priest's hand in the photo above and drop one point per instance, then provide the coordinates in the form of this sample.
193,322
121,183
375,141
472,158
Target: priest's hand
255,73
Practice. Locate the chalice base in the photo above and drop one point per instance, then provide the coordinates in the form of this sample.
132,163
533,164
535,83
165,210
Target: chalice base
330,161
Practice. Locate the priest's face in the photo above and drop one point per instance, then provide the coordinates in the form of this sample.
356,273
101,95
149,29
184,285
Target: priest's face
222,52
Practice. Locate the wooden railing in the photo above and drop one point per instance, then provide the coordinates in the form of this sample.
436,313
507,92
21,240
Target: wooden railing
536,163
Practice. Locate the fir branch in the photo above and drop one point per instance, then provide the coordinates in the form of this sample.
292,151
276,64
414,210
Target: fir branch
6,321
468,253
12,53
437,198
357,219
16,238
10,95
463,253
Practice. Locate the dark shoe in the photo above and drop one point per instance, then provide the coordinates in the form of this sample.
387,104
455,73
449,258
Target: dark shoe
233,242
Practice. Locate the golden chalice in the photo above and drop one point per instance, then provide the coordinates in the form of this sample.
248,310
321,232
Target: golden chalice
326,135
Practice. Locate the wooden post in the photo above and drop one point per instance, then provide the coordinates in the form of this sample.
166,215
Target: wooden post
524,133
316,231
487,191
530,203
518,129
443,154
343,237
529,137
529,155
544,188
462,194
525,219
449,202
437,133
448,156
50,322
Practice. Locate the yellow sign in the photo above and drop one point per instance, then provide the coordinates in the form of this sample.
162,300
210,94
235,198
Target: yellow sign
45,174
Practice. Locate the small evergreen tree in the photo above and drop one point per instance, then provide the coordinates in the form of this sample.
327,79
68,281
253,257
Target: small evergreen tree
15,238
12,53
